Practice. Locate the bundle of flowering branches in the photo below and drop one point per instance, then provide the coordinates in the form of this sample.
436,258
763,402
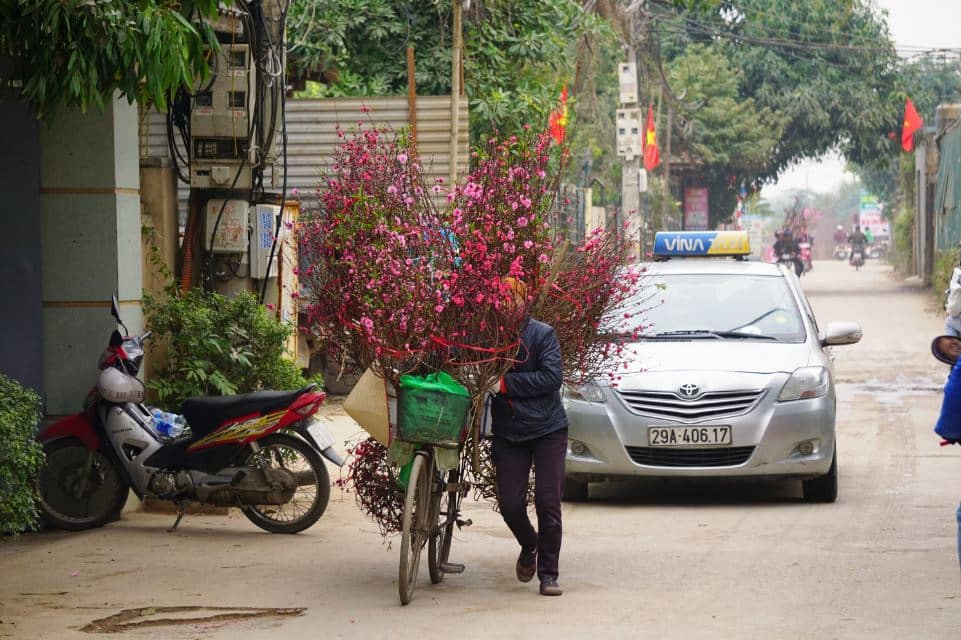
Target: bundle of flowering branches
375,487
374,255
590,282
399,285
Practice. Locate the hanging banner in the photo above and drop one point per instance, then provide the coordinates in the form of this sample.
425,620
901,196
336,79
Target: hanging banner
695,209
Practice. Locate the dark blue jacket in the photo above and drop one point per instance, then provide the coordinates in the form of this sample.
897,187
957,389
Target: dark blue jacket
949,422
531,407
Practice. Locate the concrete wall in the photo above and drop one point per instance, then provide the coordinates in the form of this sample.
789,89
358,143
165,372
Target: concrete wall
21,327
91,243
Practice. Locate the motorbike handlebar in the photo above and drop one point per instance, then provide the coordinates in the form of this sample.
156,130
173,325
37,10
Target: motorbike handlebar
145,335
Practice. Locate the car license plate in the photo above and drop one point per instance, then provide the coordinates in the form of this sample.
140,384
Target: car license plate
708,436
321,434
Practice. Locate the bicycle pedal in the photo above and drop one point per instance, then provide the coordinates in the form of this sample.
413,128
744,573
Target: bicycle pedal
464,523
452,567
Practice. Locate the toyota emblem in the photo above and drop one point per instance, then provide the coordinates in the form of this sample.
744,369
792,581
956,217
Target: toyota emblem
689,390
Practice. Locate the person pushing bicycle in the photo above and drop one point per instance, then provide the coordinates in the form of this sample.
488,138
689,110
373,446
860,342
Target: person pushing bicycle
529,427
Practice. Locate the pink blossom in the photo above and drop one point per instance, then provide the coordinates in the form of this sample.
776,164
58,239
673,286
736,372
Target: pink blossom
528,244
402,158
391,189
522,221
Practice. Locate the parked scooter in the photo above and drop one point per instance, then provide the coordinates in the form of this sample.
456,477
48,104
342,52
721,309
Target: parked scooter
257,451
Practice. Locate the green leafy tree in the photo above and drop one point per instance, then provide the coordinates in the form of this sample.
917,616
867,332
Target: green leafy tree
829,69
727,139
77,53
20,456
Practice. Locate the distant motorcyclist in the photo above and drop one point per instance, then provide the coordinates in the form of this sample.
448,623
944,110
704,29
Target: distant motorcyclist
868,235
858,243
788,246
840,237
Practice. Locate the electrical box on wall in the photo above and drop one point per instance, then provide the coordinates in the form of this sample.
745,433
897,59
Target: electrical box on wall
231,231
627,79
628,128
263,222
220,118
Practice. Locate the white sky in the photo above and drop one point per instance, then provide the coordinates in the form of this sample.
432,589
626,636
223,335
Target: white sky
913,23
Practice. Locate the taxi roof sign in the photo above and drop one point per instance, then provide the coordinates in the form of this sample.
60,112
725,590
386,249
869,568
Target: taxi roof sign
701,244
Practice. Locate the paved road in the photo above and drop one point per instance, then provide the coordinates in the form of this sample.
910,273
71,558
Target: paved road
638,561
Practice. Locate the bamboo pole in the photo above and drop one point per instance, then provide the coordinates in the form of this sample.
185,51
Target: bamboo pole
411,95
455,91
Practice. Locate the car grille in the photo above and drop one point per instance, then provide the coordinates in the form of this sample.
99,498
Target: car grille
713,457
714,404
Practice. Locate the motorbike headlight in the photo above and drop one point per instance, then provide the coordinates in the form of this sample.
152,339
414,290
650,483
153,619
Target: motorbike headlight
586,392
806,383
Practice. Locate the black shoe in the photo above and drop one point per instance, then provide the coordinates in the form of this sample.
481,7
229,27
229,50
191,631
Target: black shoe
550,587
526,565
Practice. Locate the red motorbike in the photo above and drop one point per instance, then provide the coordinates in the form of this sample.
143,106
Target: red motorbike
259,451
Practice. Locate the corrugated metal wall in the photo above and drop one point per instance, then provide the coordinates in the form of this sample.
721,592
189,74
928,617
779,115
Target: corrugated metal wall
947,201
312,136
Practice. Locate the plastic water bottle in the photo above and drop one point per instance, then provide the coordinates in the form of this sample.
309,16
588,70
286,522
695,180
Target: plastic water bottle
169,426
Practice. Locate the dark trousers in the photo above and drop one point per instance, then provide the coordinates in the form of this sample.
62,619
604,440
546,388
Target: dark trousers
512,464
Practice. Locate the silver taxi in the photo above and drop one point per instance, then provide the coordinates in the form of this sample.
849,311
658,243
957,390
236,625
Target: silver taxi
731,376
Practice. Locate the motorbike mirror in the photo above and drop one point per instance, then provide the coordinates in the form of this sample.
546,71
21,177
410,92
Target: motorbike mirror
115,308
946,349
115,311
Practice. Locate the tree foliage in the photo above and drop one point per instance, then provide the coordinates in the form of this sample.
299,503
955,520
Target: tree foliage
77,53
518,53
826,72
727,138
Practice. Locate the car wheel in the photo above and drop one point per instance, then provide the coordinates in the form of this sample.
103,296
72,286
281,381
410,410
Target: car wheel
825,488
575,490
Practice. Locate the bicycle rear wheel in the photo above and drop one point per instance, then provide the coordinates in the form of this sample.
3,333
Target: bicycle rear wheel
446,505
415,525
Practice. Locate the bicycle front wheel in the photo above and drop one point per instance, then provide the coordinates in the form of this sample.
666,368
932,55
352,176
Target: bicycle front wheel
446,504
415,526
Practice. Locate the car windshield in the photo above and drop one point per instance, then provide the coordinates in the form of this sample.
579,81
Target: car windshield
714,306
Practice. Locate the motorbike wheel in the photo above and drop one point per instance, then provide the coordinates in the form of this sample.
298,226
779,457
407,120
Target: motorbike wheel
78,488
287,452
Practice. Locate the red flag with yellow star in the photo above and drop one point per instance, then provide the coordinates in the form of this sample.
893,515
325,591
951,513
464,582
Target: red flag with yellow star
652,157
557,121
912,122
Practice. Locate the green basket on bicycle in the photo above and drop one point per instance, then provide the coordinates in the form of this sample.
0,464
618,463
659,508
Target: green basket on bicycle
432,409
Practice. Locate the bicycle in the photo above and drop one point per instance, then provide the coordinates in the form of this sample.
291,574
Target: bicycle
429,519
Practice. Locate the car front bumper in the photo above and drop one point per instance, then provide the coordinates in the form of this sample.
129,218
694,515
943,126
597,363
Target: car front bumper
773,429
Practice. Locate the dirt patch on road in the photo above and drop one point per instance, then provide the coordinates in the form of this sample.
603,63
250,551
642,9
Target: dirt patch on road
142,618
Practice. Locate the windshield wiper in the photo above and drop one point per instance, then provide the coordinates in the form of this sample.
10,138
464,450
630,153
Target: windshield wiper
705,333
690,333
744,334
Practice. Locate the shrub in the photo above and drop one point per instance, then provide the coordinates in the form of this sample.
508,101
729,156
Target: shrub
944,264
20,456
903,239
218,346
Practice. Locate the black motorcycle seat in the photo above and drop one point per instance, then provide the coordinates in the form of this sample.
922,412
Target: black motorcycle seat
205,414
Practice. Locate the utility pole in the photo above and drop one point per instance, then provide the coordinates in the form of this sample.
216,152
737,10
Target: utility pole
455,89
629,147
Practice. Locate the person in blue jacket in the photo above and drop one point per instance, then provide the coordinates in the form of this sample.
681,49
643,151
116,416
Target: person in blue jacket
949,422
529,427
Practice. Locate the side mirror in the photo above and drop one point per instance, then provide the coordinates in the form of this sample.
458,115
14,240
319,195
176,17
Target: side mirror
946,349
115,308
839,333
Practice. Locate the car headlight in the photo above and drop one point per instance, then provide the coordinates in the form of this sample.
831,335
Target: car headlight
586,392
805,383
